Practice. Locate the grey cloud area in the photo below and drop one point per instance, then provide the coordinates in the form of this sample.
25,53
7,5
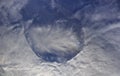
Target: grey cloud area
10,10
100,55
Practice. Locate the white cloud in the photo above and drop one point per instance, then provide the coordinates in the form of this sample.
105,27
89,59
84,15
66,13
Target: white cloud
96,58
93,60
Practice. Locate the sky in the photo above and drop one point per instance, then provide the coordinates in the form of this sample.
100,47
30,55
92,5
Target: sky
98,27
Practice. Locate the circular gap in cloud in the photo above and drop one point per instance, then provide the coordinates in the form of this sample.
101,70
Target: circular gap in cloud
53,43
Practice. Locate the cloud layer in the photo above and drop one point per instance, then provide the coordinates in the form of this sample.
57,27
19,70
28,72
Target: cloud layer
99,57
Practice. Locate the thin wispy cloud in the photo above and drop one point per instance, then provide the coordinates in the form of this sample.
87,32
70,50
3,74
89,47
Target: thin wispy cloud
53,39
